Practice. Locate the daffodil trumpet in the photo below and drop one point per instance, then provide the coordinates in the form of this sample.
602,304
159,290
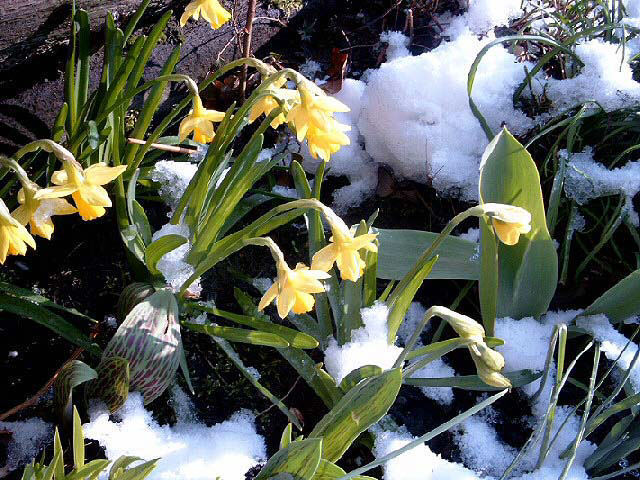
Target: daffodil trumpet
293,289
84,186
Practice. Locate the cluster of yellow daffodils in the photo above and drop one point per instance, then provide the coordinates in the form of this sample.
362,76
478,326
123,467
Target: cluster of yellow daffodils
312,119
488,362
200,122
211,11
293,288
39,205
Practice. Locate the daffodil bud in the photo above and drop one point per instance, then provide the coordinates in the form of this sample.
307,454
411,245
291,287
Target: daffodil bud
464,326
492,359
488,375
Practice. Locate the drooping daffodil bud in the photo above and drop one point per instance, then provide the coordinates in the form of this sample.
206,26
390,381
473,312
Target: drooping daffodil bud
509,222
465,327
85,186
14,238
344,249
489,375
211,11
200,122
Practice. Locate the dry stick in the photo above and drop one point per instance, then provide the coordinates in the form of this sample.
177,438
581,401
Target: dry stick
166,148
33,400
246,47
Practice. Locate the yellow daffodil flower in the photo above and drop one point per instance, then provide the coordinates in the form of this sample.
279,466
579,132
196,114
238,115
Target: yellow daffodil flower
200,122
84,186
293,288
38,212
267,104
344,249
14,238
211,11
315,112
509,222
323,143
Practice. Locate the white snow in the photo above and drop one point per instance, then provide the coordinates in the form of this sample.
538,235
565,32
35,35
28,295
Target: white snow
473,235
368,346
526,346
262,284
436,369
606,78
28,437
416,117
174,178
173,264
587,179
397,44
612,344
484,454
484,15
187,450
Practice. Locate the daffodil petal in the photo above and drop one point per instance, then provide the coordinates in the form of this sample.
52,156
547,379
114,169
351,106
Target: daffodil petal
268,296
101,174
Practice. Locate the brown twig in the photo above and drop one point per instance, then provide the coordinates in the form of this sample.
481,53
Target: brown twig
246,47
166,148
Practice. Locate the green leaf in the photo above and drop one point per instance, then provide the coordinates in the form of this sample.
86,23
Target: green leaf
401,297
353,378
90,470
357,410
133,241
293,337
400,249
48,319
160,247
78,440
508,175
240,335
330,471
300,460
473,382
285,438
71,375
620,302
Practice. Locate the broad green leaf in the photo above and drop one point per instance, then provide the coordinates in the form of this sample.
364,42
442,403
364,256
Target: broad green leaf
155,251
473,382
522,277
48,319
330,471
71,375
353,378
241,335
399,250
357,410
620,302
300,460
285,438
91,470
